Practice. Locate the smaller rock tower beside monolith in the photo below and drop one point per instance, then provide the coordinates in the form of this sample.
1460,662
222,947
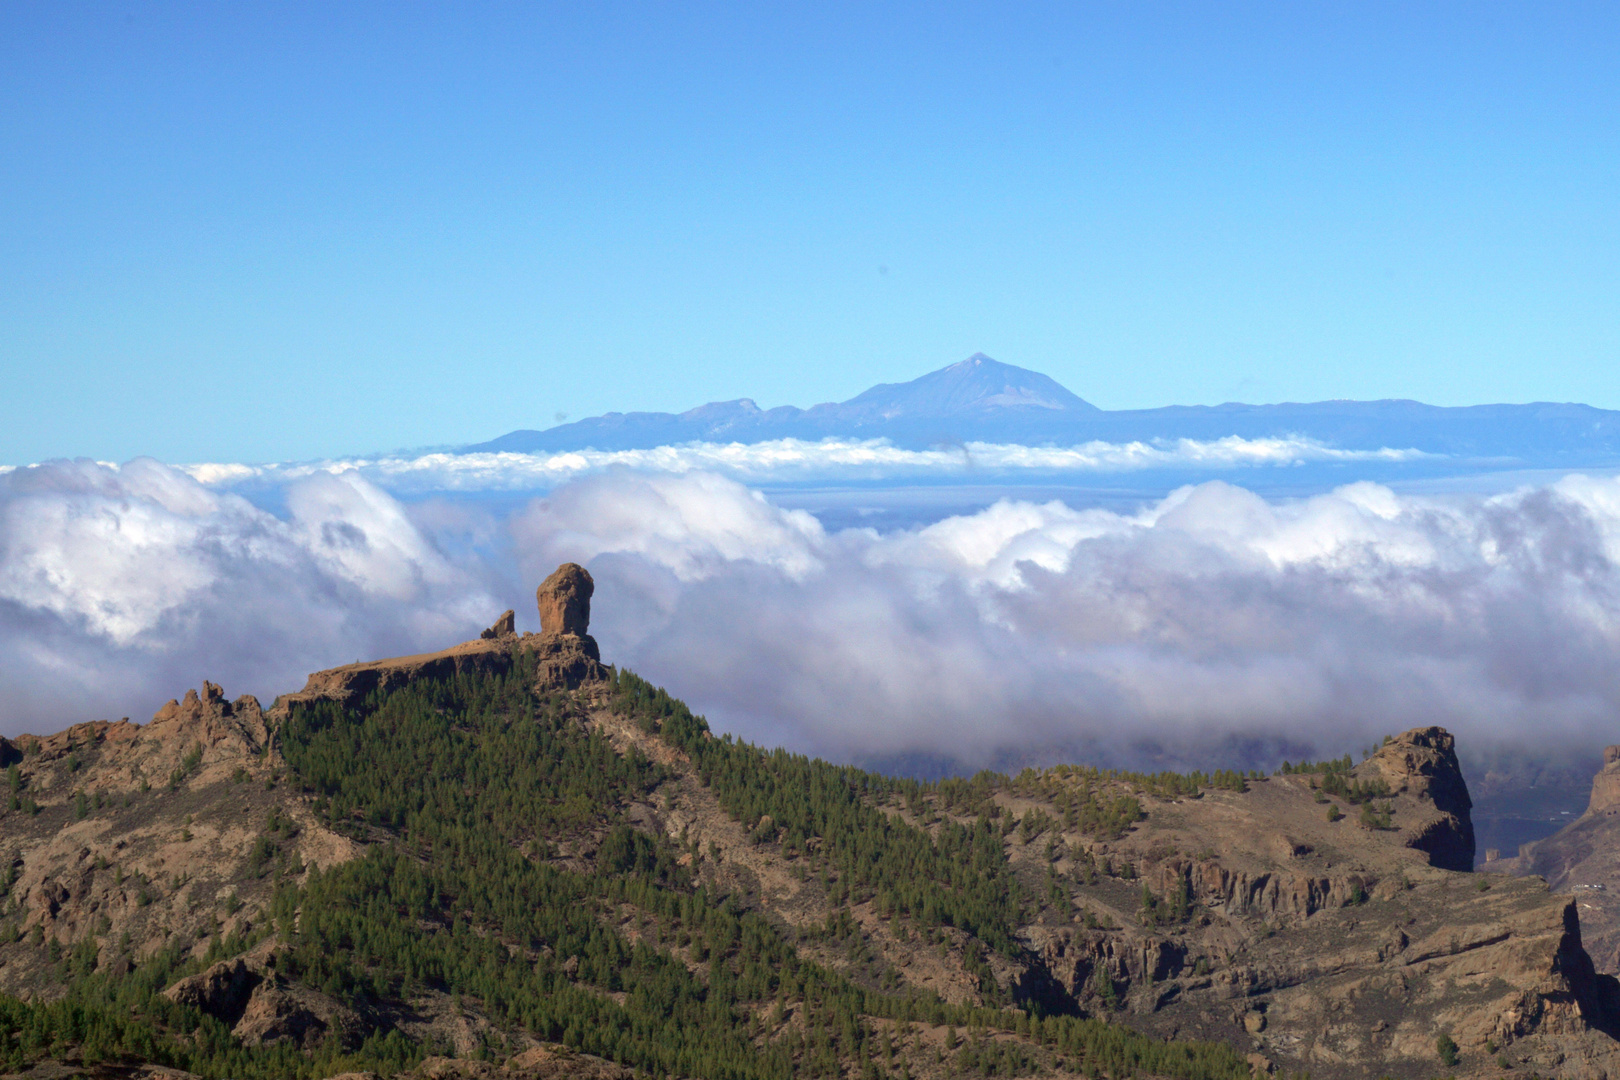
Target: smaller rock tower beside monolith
568,654
1606,784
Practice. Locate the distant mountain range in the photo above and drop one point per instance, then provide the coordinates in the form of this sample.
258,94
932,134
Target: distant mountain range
983,400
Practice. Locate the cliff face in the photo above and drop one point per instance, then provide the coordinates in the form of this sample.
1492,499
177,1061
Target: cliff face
1317,944
1422,764
1606,784
1581,859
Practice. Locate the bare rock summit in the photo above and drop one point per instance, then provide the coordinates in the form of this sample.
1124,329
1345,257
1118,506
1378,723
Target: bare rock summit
1423,763
565,601
568,654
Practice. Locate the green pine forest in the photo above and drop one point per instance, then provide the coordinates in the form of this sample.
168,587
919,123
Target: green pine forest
462,789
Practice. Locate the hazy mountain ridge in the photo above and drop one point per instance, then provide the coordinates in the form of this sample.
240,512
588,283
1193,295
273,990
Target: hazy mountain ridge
983,400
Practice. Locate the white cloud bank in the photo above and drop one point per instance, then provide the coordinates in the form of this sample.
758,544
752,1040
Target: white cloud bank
1212,622
1209,626
120,587
783,460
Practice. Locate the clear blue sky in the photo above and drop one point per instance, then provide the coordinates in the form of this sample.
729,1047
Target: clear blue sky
252,232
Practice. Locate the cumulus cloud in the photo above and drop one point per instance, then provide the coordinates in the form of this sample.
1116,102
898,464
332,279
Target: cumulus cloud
1211,623
788,460
1210,626
121,586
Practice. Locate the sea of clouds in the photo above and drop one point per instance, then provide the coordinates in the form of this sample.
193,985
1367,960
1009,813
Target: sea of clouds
1212,626
790,460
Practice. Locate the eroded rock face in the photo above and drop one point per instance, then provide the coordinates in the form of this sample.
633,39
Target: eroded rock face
211,719
506,624
260,1006
221,991
568,654
1423,763
565,601
1606,784
1580,858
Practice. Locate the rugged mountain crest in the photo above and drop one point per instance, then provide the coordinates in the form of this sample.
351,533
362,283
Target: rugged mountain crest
1422,763
1320,919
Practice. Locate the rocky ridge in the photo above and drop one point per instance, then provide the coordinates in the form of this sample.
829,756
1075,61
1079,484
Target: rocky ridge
1316,944
1315,931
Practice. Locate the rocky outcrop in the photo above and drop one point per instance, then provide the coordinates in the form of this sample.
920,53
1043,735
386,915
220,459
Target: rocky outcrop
281,1011
221,991
567,653
1580,858
260,1006
564,599
1265,894
1422,763
504,626
350,683
1606,784
208,718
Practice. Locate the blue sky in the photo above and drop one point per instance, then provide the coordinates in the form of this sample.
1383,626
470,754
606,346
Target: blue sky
259,232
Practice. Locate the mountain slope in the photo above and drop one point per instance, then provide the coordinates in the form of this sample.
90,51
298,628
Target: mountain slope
505,851
980,399
977,386
1583,859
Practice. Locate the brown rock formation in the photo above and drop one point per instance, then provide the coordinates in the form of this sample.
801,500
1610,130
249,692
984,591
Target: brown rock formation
1423,763
1606,784
211,720
261,1006
222,991
568,654
565,601
504,626
1580,859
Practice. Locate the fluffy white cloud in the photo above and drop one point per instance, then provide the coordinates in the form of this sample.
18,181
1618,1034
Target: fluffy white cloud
1211,622
121,586
797,460
695,525
1211,625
